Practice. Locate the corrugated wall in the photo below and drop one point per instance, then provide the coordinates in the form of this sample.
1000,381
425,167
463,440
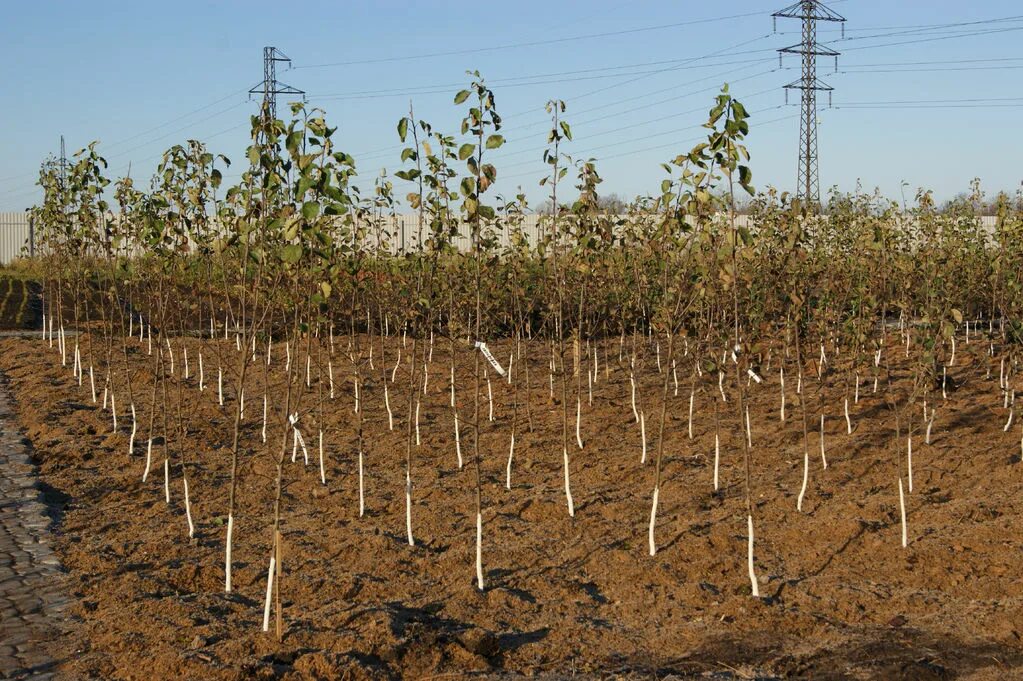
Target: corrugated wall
404,233
14,236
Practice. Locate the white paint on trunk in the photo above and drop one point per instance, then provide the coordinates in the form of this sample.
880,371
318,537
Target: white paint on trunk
408,507
149,459
479,550
578,422
749,430
806,478
418,440
909,462
490,397
511,455
458,442
902,513
269,591
632,381
717,458
692,398
568,487
653,521
188,509
824,459
387,403
227,553
642,435
134,429
362,488
754,586
323,470
781,373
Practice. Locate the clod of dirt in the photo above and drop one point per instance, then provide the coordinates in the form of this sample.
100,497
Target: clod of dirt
480,642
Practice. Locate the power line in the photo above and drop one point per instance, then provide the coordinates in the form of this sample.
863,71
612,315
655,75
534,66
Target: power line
633,152
532,43
639,139
935,70
722,52
932,106
936,38
535,79
704,107
933,27
175,131
929,63
629,110
175,119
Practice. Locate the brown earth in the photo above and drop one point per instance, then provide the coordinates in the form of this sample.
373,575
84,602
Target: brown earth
564,597
20,306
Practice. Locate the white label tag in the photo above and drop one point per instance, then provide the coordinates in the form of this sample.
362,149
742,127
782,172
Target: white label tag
752,374
490,358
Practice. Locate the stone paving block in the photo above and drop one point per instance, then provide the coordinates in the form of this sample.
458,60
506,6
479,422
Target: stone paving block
31,597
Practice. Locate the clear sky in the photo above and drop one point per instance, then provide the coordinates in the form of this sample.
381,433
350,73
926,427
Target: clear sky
935,110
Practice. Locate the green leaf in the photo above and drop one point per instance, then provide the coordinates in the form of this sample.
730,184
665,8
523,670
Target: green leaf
465,151
402,129
461,96
310,210
494,141
566,129
292,253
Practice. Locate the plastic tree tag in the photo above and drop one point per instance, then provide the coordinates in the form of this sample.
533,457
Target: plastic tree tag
490,358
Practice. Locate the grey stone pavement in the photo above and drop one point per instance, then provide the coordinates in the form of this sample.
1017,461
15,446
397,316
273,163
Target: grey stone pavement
31,599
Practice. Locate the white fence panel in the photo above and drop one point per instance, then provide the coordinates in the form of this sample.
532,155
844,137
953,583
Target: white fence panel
16,234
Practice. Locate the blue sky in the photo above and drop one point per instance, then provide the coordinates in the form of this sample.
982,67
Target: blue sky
934,111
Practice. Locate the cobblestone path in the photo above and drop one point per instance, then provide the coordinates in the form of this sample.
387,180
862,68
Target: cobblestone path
31,600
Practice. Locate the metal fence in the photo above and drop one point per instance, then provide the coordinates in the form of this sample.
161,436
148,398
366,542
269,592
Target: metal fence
16,234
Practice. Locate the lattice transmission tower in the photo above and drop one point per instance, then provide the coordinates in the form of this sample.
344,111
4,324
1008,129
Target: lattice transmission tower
810,12
271,87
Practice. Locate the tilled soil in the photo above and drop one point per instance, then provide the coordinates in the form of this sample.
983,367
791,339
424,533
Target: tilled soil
20,306
564,596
